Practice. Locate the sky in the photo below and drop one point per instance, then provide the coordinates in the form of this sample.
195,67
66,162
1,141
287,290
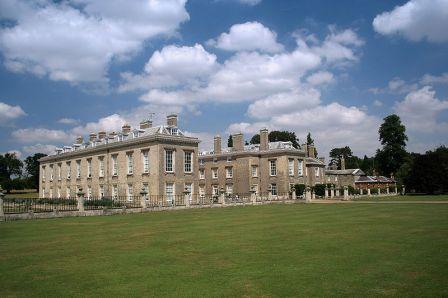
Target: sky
331,68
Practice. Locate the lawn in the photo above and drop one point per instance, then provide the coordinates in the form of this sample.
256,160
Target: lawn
406,198
276,250
23,194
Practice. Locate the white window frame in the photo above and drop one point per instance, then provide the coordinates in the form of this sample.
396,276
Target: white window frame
201,174
317,171
215,173
201,191
114,191
188,161
89,168
229,189
67,192
78,169
170,196
146,189
291,166
101,191
300,168
274,190
145,160
130,192
51,192
101,167
229,172
272,167
51,172
215,190
58,193
255,186
254,171
115,165
68,165
43,174
89,192
59,167
169,164
130,163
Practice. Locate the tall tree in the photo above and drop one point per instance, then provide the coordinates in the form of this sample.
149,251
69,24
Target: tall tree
278,136
32,169
392,134
309,140
10,166
337,153
230,142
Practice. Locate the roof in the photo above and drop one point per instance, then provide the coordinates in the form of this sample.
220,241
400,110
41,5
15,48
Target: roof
354,172
256,147
133,135
374,179
314,162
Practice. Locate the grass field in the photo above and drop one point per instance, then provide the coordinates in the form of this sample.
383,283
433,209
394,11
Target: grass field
406,198
23,194
276,250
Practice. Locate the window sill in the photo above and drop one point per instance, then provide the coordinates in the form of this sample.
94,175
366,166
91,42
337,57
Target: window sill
145,173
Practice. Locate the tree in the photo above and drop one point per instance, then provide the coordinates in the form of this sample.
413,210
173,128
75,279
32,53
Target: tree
10,166
309,140
428,172
337,153
392,134
32,169
278,136
230,142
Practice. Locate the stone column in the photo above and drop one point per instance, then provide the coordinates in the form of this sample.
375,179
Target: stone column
332,191
326,192
143,194
293,194
308,194
379,191
80,196
253,196
368,192
338,193
313,195
403,190
187,196
222,196
2,212
396,190
270,193
387,190
346,192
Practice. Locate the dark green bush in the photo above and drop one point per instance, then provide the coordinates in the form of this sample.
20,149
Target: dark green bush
319,190
300,188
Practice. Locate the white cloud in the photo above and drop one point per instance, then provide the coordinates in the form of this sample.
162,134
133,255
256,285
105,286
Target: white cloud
419,111
395,86
377,103
9,113
416,20
281,103
76,40
68,121
250,2
428,79
172,66
32,135
320,78
39,148
249,36
17,153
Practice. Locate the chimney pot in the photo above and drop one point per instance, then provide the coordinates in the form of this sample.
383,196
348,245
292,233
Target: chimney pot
217,145
145,124
101,135
171,120
126,129
79,140
238,142
92,137
264,139
342,162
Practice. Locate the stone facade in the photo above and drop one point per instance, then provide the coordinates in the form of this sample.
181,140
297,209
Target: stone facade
124,163
267,167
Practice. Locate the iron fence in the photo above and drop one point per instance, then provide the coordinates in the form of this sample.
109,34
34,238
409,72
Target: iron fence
25,205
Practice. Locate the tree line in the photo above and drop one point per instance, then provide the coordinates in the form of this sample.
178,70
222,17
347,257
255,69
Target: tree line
17,174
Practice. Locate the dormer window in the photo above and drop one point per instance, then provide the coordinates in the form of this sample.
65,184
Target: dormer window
136,134
174,131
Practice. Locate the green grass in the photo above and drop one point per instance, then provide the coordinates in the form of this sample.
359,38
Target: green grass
22,195
278,250
406,198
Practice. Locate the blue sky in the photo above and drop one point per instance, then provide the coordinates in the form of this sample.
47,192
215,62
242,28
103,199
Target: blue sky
334,68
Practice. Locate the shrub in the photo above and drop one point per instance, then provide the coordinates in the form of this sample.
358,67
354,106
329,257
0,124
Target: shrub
352,190
300,188
319,190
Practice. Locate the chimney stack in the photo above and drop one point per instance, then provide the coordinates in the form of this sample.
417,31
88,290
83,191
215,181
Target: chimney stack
145,124
126,129
101,135
171,120
112,135
92,137
79,140
217,144
238,142
342,162
264,139
311,151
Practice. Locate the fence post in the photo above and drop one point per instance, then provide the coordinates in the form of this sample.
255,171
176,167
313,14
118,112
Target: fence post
80,196
308,194
253,196
187,198
346,192
143,194
2,212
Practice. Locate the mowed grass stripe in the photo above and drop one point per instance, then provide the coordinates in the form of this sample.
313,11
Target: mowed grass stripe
277,250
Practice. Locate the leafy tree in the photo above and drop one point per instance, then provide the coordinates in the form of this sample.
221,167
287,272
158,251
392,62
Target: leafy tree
392,134
309,140
428,172
230,142
32,169
337,153
278,136
10,166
